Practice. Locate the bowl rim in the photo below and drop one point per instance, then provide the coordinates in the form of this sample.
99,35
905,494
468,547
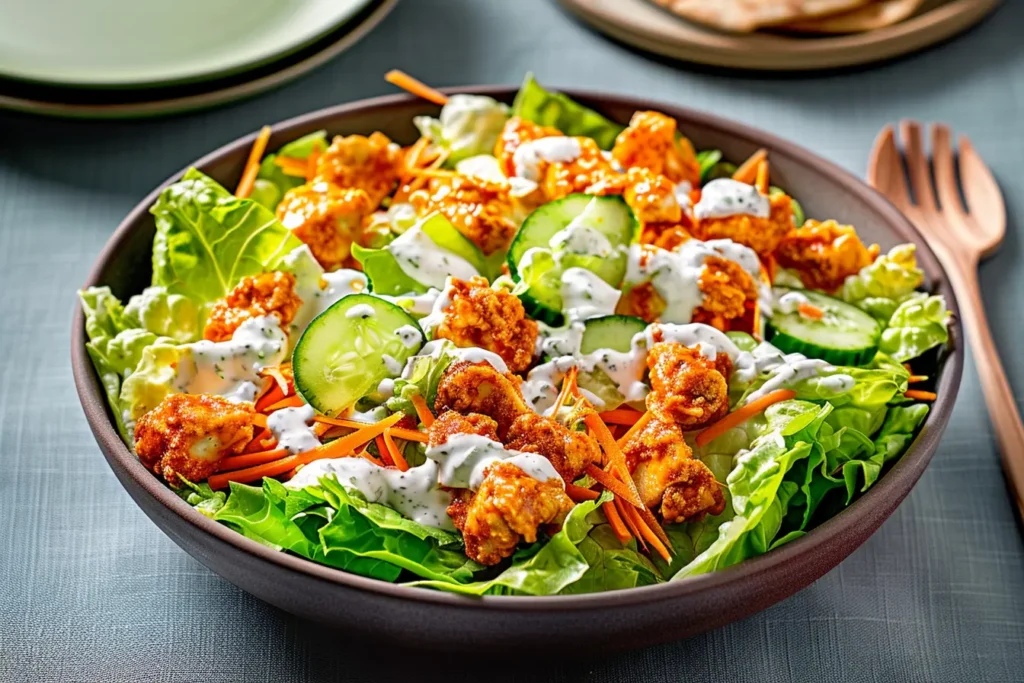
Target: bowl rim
94,401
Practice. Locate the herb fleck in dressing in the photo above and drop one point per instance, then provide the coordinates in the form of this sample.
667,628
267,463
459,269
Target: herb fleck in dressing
464,458
290,427
585,295
530,156
727,197
427,263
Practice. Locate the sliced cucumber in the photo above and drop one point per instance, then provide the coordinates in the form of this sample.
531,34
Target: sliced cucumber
349,348
603,221
613,332
845,335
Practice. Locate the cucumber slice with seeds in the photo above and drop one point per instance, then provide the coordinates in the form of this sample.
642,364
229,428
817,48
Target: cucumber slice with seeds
845,335
349,348
613,332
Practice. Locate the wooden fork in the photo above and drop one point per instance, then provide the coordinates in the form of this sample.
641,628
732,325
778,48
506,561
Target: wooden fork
960,237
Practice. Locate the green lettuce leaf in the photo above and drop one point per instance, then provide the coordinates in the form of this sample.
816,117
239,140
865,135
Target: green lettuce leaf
917,326
272,182
151,381
386,276
104,313
469,125
207,240
611,565
545,108
424,376
200,496
891,276
707,159
165,314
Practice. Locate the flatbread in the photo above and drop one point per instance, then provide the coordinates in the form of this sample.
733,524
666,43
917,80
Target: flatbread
877,15
744,16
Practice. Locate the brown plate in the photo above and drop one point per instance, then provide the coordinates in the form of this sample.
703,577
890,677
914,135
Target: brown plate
646,26
625,618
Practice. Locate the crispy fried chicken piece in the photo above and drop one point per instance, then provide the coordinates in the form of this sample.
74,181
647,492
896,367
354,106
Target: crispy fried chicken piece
513,135
452,423
491,319
326,218
569,451
727,288
651,196
478,388
480,209
510,506
371,164
824,254
561,179
762,235
686,387
650,142
188,434
255,296
666,474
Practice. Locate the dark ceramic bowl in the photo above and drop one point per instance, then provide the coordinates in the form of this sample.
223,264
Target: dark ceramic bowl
626,618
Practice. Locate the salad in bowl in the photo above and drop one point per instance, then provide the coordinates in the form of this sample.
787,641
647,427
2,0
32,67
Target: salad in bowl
534,352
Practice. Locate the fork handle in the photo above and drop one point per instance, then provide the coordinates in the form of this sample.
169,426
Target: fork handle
1002,406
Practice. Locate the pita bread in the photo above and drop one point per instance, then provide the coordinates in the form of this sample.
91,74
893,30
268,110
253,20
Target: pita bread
743,16
875,16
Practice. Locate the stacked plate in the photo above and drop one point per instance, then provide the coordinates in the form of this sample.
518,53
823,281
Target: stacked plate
110,58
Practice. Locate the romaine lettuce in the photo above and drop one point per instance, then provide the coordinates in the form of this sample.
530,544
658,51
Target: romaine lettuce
918,325
891,276
545,108
469,125
165,314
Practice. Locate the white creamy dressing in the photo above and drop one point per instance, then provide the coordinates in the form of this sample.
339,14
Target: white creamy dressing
423,260
579,238
410,336
317,289
440,347
464,458
231,368
540,388
392,364
415,304
530,156
585,295
442,301
682,194
786,370
292,430
554,342
675,275
386,388
414,493
726,197
363,311
790,302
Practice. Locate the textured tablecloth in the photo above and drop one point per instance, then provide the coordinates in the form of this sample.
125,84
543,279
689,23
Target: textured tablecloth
90,590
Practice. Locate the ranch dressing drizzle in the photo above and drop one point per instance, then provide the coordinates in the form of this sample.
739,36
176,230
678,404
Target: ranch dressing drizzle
422,260
727,197
585,295
464,458
530,156
317,290
790,302
786,370
291,429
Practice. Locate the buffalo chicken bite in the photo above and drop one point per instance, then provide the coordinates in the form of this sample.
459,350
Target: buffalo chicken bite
255,296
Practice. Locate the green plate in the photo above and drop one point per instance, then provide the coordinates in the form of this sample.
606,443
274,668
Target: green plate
146,43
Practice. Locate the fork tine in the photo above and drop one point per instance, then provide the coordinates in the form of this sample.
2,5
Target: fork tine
885,169
945,174
917,164
984,200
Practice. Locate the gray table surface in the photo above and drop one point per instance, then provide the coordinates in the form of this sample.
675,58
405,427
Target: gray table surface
90,590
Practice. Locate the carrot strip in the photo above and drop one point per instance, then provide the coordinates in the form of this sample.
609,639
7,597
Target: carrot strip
291,166
747,172
762,176
568,386
422,411
409,434
268,399
394,451
635,429
621,416
613,484
755,321
255,445
914,379
579,494
255,473
382,448
920,395
278,376
741,415
397,432
645,531
652,523
634,531
614,454
289,402
347,444
252,164
237,462
615,521
311,162
320,429
259,420
415,87
810,311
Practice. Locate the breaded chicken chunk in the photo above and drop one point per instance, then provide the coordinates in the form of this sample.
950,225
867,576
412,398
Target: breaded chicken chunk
255,296
326,218
451,423
650,142
762,235
188,434
478,388
513,135
510,506
568,450
480,209
686,387
493,319
371,164
727,289
651,196
667,476
824,254
563,178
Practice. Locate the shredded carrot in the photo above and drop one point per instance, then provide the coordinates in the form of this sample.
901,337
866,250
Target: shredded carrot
613,454
347,444
394,451
289,402
254,445
259,420
409,434
810,311
252,164
635,429
747,172
382,448
320,429
413,154
652,523
755,321
613,484
762,177
291,166
647,532
634,531
918,395
568,387
397,432
272,396
579,494
422,411
311,162
741,415
914,379
255,473
417,88
278,376
237,462
615,521
621,416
